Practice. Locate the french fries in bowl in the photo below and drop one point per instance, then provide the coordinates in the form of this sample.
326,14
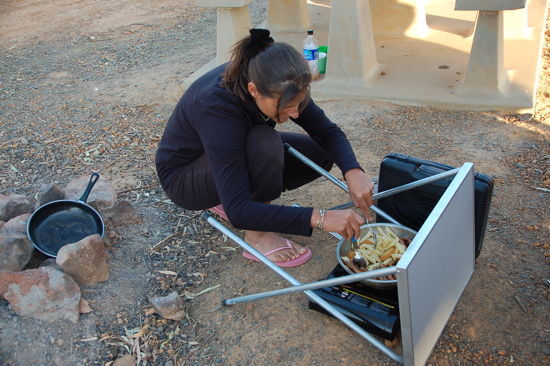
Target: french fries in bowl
392,242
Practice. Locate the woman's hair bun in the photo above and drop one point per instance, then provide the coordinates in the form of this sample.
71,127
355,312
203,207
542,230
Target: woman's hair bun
259,40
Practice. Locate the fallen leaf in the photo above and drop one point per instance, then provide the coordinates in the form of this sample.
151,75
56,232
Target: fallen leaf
150,311
141,332
229,248
189,295
170,336
89,339
521,304
541,189
171,273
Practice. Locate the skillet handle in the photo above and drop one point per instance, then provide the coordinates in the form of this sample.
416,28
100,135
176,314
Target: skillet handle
93,179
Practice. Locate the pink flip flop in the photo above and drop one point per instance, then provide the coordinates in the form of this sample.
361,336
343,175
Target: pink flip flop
220,211
291,263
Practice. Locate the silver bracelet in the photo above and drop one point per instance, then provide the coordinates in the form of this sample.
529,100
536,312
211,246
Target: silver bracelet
320,222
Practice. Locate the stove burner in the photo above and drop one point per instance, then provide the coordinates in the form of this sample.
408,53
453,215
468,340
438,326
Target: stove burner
374,310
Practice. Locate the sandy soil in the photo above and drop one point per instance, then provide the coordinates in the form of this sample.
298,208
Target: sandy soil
76,75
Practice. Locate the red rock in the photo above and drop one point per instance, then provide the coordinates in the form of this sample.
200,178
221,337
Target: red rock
49,193
42,293
169,307
13,206
126,360
15,251
85,260
122,213
103,193
17,224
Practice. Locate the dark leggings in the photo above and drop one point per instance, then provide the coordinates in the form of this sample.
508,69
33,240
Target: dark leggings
271,170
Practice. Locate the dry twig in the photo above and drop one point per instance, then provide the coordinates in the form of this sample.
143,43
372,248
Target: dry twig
164,241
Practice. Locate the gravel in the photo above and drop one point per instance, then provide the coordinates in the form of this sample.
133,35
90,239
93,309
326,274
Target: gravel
76,101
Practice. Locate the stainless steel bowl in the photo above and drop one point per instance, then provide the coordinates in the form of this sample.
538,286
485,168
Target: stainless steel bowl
343,249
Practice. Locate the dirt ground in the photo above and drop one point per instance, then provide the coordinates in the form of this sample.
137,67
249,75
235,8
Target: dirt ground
88,86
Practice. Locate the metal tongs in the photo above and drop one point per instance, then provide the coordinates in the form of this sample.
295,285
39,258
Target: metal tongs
375,240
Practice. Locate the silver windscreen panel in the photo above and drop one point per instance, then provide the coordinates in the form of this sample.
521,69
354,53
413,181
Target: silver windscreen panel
435,269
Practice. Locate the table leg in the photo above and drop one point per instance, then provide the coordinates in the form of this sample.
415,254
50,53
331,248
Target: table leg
288,16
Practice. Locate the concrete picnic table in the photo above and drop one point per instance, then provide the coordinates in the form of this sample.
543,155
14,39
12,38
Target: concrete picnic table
456,54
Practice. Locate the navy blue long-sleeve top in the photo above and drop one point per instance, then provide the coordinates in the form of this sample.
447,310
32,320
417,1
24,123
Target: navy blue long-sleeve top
209,119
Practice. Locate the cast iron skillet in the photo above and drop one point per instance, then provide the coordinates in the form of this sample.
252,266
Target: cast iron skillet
63,222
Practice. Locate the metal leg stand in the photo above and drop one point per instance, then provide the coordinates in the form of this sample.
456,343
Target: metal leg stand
377,196
334,312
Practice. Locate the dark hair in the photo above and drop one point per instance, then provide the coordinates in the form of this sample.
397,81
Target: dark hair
277,69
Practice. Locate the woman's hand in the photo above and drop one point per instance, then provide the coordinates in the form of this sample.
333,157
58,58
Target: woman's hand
360,190
344,222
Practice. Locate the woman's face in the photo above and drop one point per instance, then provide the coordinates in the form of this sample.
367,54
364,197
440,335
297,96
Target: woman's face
268,106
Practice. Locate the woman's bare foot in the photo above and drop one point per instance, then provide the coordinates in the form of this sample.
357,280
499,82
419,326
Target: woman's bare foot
264,242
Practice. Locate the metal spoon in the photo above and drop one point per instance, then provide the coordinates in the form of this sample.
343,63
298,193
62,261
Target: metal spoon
358,260
375,241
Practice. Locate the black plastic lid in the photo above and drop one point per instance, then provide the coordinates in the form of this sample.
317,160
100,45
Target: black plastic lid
310,32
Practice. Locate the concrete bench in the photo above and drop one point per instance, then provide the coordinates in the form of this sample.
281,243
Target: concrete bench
486,74
233,24
352,57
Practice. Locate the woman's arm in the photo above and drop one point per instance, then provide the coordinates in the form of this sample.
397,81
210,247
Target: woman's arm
344,222
360,190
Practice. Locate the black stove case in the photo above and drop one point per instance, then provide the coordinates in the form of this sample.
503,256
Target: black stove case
376,311
411,208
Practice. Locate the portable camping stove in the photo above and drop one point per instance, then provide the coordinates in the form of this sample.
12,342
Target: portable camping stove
374,310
